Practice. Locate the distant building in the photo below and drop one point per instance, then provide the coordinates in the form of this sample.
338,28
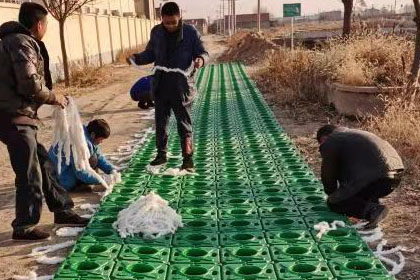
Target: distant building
332,15
145,8
250,21
200,23
371,12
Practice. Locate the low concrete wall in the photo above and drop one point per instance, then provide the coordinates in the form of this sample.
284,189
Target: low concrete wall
358,101
89,38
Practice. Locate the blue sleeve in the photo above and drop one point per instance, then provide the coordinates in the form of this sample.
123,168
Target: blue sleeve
103,163
83,175
148,56
199,50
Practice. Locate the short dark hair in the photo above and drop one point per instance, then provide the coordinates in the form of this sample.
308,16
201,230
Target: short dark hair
100,127
325,131
170,9
31,13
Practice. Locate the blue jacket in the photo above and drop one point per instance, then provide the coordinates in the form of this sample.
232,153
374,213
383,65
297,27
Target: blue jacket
70,176
189,46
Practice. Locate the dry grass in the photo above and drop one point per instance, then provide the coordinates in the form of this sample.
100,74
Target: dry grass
303,74
82,76
371,59
400,125
122,55
362,60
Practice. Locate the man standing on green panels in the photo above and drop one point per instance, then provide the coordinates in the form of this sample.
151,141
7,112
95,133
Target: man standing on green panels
173,45
358,168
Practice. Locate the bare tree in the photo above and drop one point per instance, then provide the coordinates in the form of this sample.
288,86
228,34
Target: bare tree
349,6
61,10
414,74
348,10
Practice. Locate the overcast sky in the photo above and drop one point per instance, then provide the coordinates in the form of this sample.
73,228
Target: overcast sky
208,8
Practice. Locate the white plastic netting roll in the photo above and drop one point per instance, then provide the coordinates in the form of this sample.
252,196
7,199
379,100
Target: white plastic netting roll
150,216
70,137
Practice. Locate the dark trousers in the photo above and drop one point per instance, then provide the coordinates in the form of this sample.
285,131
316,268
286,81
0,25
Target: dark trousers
360,205
180,104
35,175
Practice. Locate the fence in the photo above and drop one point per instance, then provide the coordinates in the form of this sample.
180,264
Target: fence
89,37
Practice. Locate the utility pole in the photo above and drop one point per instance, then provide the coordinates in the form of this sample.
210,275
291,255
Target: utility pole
224,21
259,16
234,16
229,17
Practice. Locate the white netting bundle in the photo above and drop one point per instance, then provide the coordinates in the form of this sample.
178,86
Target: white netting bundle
150,216
70,137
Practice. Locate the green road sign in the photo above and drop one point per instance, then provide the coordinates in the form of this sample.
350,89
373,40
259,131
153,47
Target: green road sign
292,10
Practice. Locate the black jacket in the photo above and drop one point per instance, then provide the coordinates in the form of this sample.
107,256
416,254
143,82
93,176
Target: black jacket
25,78
189,46
352,159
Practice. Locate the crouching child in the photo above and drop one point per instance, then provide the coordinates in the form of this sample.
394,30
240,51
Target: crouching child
73,179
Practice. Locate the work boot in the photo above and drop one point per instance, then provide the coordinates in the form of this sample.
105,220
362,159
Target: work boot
376,215
160,159
69,218
188,164
31,235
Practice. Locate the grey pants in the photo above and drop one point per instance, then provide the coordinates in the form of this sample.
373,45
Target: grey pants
35,175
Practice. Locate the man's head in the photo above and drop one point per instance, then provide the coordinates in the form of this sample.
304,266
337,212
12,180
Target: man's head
324,132
99,130
34,17
171,16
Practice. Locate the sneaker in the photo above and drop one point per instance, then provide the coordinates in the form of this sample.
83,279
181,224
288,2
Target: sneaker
376,215
159,160
188,164
31,235
70,218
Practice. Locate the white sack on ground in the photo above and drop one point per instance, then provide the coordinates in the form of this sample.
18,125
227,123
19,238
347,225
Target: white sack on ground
70,137
69,231
39,251
150,216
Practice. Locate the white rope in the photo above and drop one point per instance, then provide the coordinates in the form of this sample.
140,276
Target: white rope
70,137
69,231
33,276
92,208
371,236
165,69
176,172
39,251
50,260
187,73
325,227
150,215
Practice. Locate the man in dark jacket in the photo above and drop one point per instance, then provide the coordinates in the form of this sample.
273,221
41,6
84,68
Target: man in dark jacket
25,85
358,168
173,45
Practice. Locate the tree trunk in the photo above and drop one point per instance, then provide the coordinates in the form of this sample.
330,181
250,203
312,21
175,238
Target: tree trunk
64,54
414,74
348,10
